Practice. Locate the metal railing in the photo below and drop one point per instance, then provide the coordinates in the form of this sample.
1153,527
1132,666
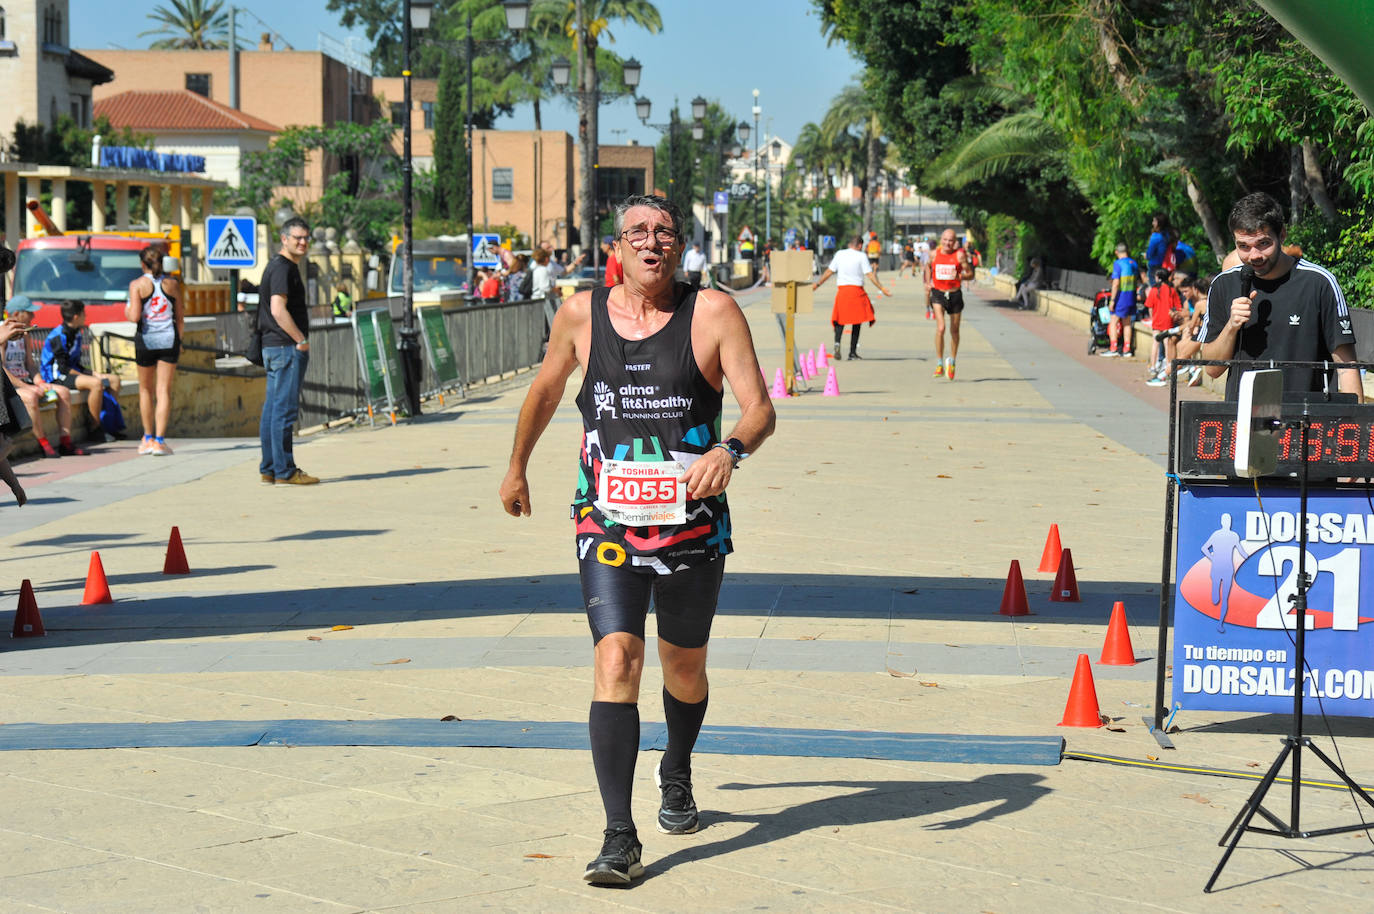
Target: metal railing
489,341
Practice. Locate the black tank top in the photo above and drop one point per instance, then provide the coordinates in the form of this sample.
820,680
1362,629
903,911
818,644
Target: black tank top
645,406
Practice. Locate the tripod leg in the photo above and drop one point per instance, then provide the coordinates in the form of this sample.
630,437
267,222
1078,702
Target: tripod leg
1242,819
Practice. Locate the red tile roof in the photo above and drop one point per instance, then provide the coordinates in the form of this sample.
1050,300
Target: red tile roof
176,110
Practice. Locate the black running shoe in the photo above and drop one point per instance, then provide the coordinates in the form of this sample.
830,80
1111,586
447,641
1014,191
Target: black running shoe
619,863
677,813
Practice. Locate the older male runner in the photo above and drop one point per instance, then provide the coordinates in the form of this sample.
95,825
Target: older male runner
944,277
650,513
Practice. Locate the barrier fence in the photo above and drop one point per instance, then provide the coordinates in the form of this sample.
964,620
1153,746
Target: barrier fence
488,341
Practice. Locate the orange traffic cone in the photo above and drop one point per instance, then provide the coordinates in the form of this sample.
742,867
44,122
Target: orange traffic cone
1117,650
1014,593
1081,711
1065,584
1049,559
97,588
27,622
175,562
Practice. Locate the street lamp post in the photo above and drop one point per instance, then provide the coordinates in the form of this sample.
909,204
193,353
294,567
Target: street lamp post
757,112
774,153
416,15
588,104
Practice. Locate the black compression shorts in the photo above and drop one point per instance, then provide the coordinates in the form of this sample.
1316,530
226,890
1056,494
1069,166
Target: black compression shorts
952,301
617,600
147,358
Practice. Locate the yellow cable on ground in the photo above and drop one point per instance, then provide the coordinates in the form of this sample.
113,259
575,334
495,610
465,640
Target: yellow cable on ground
1195,769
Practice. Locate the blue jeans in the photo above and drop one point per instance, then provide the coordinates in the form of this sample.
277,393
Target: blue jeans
285,370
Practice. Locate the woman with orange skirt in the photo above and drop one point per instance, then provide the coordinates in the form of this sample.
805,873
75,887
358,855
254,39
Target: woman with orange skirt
852,307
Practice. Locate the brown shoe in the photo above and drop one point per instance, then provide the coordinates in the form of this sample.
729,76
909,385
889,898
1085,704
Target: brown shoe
267,479
298,478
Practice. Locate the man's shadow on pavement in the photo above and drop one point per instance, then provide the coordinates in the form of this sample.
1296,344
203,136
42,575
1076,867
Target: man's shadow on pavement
876,801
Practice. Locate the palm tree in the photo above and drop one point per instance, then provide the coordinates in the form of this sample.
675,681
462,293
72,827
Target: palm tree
190,25
1021,139
861,152
597,16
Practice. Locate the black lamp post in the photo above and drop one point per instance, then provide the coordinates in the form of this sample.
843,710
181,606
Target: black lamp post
416,16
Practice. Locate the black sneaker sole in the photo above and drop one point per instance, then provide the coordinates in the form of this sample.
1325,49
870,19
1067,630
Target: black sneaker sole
608,876
689,829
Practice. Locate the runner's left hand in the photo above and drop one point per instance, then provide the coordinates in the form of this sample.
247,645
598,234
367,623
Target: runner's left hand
710,474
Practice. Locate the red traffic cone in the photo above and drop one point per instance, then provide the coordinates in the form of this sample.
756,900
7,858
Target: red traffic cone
97,588
1117,650
27,622
1081,710
1049,559
1065,584
176,555
1014,593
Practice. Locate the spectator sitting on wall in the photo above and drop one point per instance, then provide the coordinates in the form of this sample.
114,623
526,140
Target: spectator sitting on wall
1034,281
22,369
64,363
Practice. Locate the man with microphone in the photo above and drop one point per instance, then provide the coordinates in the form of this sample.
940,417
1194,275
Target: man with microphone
1276,306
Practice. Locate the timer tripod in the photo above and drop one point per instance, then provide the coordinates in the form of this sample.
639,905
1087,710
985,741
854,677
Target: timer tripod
1295,742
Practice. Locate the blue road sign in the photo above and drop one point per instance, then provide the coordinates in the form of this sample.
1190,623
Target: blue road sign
485,250
231,242
722,200
789,237
827,241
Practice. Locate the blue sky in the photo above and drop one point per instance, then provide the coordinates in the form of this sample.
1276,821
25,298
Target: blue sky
721,49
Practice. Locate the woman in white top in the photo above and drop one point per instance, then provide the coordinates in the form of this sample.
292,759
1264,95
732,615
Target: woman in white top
155,305
541,278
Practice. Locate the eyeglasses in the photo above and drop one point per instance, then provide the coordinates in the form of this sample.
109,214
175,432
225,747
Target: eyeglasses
638,236
298,237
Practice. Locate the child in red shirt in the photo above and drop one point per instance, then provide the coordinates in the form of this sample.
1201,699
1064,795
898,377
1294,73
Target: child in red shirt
1166,308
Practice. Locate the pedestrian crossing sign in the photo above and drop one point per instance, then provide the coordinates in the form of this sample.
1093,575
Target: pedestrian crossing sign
231,242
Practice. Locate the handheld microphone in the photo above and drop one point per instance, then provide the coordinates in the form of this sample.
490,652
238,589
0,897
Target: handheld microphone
1247,280
1247,285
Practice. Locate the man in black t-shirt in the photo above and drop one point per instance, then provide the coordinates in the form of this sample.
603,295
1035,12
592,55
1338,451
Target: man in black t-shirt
1295,312
285,325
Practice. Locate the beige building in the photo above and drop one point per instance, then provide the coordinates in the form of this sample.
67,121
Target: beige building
286,88
424,99
41,77
530,180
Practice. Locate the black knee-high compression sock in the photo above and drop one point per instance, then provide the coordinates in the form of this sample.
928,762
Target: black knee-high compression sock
684,723
614,731
839,333
854,338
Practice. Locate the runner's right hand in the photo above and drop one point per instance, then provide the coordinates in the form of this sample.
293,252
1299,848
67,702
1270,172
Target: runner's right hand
515,494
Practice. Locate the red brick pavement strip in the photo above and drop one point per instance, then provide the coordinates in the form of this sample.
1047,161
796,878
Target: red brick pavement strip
39,471
1127,374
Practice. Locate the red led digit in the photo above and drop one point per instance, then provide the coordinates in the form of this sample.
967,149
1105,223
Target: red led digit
1347,442
1209,439
1314,442
1286,444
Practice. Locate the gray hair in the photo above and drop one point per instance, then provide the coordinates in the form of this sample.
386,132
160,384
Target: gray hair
653,201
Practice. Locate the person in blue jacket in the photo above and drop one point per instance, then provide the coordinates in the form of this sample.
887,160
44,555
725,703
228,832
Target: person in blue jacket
1158,245
64,362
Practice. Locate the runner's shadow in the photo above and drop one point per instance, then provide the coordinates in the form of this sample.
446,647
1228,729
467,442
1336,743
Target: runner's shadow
876,801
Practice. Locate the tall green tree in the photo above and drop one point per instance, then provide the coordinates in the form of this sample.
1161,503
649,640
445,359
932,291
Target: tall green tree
452,183
190,25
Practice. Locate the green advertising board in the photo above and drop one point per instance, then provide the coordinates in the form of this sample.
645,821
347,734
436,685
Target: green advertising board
440,351
377,357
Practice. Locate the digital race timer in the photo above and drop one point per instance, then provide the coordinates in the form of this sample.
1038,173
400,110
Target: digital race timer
1340,440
